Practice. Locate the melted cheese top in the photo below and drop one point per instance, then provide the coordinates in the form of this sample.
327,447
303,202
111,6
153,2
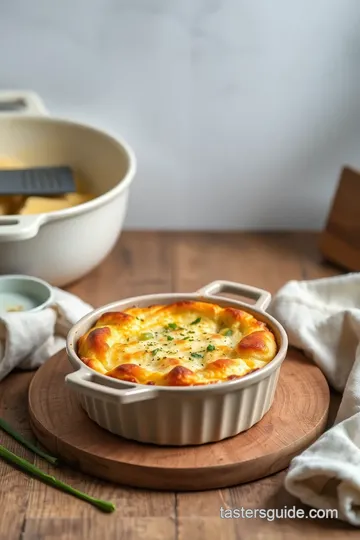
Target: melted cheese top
180,344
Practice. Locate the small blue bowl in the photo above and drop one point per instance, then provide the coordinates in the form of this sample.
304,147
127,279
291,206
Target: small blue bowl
24,293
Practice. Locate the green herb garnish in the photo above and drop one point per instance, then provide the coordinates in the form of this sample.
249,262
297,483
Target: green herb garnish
210,347
6,427
155,351
227,332
172,325
169,338
187,337
28,467
196,355
196,321
145,336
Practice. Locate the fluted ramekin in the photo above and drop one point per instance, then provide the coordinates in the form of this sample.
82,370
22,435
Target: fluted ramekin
179,416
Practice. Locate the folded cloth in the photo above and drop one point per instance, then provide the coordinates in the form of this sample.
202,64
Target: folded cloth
322,317
28,339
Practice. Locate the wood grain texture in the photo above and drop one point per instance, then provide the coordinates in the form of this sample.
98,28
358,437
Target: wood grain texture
14,486
340,240
298,416
159,262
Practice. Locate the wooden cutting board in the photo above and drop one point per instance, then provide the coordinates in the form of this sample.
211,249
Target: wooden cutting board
297,417
340,239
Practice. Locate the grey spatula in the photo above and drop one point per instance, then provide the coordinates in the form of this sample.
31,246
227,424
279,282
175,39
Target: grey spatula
37,181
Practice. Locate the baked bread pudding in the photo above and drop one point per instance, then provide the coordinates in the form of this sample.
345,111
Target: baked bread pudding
180,344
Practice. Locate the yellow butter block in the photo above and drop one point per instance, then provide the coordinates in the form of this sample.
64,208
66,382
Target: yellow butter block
78,198
41,205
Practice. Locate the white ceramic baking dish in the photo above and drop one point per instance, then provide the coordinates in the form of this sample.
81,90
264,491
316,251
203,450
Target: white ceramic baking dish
62,246
179,415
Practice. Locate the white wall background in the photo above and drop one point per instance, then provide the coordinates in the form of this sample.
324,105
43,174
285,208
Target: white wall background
241,112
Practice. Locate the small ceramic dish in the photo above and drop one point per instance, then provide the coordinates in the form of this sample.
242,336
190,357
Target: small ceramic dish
179,416
24,293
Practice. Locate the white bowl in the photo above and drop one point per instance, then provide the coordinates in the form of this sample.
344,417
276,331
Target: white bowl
63,246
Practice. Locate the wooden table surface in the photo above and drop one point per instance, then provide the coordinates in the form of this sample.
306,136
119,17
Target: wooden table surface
144,263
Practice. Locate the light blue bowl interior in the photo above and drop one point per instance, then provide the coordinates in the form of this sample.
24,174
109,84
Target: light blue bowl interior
23,294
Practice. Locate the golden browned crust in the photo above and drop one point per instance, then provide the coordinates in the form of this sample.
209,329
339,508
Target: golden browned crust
181,344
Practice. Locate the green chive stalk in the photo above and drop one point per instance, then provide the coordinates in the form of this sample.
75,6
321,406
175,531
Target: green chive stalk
28,467
6,427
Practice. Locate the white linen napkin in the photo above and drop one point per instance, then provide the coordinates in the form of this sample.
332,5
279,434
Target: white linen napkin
322,317
27,340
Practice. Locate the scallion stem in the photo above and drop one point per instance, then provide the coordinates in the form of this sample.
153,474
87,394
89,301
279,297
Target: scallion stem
6,427
28,467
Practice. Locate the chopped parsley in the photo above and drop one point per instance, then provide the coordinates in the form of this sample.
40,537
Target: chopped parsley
196,321
145,336
187,337
172,325
196,355
227,332
169,338
210,347
155,351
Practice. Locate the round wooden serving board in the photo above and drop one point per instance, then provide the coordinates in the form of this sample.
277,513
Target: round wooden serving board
298,416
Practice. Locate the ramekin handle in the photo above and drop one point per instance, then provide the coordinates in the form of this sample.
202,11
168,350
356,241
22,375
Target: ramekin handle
22,103
262,298
84,382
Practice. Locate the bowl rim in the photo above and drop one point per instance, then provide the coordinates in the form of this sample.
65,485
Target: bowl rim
247,380
33,279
